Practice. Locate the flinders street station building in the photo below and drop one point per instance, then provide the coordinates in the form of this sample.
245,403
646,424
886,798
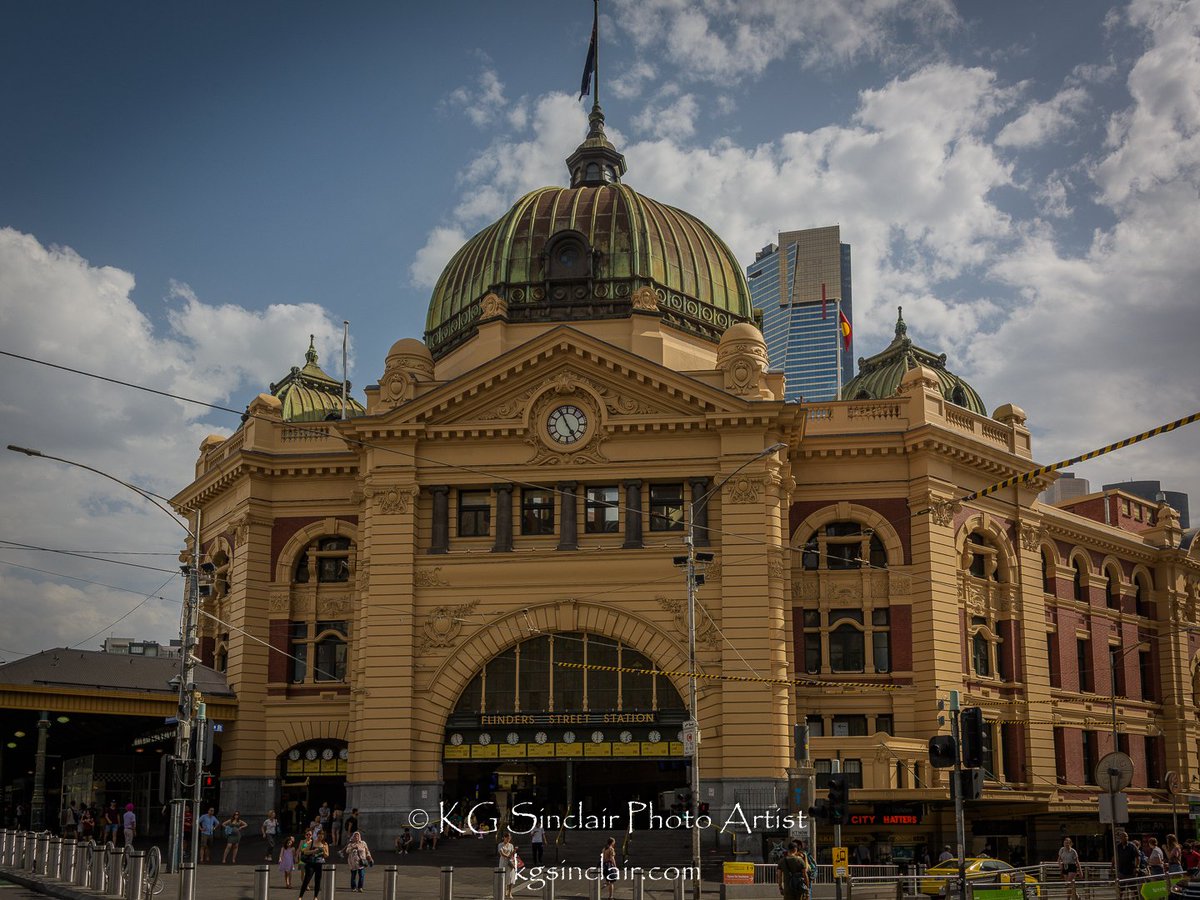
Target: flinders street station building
468,586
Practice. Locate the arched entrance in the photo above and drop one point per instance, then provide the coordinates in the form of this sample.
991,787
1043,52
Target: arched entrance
535,725
311,774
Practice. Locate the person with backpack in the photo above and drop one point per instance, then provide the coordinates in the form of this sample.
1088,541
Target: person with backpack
792,875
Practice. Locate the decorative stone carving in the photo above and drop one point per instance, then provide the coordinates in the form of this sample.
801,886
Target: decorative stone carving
706,630
712,571
443,626
899,584
493,306
645,299
775,566
943,511
331,607
1032,535
408,362
807,587
429,578
395,500
743,489
280,601
742,357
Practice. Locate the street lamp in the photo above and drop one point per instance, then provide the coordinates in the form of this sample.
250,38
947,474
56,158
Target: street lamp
693,725
184,743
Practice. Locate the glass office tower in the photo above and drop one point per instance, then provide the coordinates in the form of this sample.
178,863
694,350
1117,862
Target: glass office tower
802,340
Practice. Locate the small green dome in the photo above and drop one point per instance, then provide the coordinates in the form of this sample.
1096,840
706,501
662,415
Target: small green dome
580,253
309,395
879,376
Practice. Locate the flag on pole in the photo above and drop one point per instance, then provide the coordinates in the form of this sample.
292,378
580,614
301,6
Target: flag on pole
589,65
844,327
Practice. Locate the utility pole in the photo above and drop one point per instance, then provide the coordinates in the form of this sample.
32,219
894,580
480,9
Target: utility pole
959,824
835,768
184,731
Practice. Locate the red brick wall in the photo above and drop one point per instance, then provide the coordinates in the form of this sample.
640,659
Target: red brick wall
277,660
902,654
208,651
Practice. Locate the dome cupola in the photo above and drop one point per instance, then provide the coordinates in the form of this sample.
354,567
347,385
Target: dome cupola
309,395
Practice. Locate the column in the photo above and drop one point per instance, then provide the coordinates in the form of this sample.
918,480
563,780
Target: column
568,531
37,807
633,515
504,519
440,540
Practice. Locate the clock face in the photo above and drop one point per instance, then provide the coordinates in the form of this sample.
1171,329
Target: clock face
655,737
310,753
597,737
456,739
293,754
540,737
626,737
327,753
344,753
568,737
513,737
567,424
485,739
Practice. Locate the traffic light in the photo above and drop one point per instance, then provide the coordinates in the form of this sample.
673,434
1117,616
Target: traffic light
210,782
969,782
820,811
838,797
943,752
975,738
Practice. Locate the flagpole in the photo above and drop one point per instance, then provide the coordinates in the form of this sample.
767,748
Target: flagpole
838,346
596,58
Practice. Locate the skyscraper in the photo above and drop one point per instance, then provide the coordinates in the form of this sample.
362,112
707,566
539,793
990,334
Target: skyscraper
803,334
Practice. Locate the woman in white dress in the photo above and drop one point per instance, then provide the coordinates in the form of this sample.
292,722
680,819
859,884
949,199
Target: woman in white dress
508,862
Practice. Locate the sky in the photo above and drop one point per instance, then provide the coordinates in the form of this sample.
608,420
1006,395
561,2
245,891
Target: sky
188,191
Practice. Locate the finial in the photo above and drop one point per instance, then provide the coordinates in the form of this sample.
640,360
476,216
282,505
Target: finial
901,328
311,355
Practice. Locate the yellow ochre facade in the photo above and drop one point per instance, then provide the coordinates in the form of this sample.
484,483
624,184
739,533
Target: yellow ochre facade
464,588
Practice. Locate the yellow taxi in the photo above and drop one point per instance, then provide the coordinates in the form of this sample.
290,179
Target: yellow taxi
942,879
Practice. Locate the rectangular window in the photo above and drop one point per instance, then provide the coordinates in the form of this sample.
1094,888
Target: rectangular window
881,648
1117,660
990,752
846,649
298,648
1153,768
1052,656
852,769
812,652
602,514
849,726
812,618
1083,659
666,507
1146,671
1060,756
822,768
537,511
816,726
1090,756
474,513
885,724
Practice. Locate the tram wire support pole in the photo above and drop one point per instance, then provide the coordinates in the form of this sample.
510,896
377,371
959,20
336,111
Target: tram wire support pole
187,659
689,565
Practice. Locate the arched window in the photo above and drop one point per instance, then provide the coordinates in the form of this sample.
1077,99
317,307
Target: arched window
327,559
983,557
958,396
843,545
1112,599
981,656
847,648
1077,580
1141,596
593,172
330,664
1047,572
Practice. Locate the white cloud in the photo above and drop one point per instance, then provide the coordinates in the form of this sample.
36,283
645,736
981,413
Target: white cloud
631,80
484,102
55,305
675,118
728,39
441,244
1042,122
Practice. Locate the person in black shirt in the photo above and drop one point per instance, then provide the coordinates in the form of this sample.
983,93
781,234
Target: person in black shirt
1128,857
350,823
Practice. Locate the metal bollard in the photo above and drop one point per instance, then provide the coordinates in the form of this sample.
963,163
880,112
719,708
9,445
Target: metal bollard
639,884
262,882
53,857
677,888
116,872
594,891
31,853
99,869
3,846
328,875
187,878
391,881
446,884
137,875
66,868
81,873
41,864
498,876
548,889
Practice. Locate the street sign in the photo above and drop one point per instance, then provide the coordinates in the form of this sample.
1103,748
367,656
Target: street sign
841,862
691,737
1107,803
738,873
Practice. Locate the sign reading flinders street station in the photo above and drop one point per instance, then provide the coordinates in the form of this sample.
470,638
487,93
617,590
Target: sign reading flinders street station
612,741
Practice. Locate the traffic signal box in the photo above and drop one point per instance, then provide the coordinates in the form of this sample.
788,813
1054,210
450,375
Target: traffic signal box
838,799
975,739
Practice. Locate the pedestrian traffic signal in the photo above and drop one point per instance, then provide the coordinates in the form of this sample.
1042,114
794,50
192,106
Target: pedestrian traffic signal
976,743
969,782
838,798
943,752
210,781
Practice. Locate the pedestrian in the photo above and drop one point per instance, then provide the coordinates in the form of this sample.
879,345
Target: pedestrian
537,843
792,874
87,824
429,836
350,823
358,858
287,860
313,854
208,824
946,855
324,813
1156,862
68,822
1127,858
1174,853
129,824
1068,865
404,843
608,865
1191,858
112,822
270,832
335,828
234,826
508,862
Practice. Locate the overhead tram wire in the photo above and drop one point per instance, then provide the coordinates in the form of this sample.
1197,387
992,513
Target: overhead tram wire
115,562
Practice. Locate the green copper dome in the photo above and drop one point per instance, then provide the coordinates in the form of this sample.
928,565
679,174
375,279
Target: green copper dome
309,395
880,376
580,253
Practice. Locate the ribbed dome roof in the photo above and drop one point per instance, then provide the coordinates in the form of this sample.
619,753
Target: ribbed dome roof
309,395
879,376
578,253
